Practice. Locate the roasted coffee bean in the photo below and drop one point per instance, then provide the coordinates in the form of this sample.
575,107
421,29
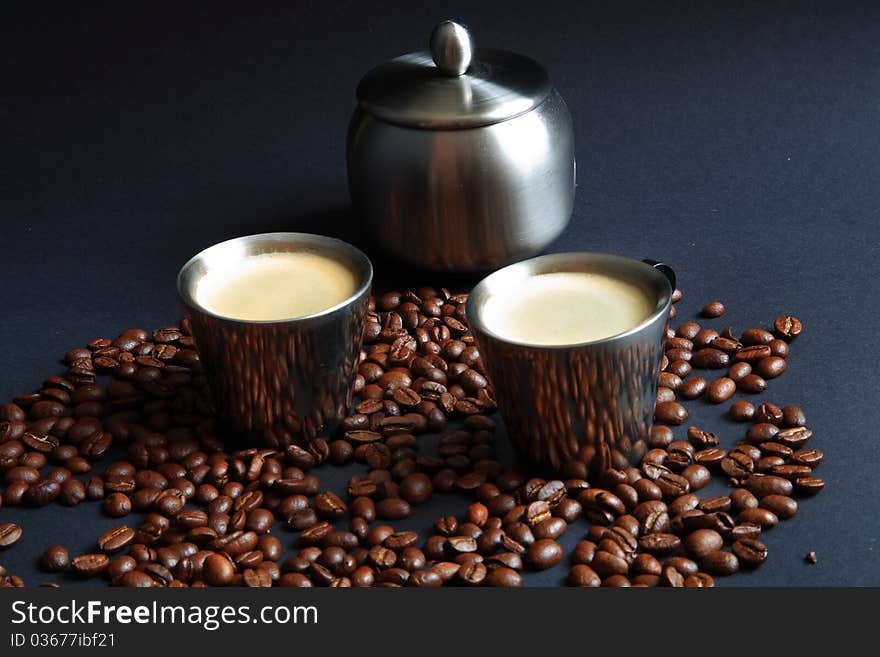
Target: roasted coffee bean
763,485
713,309
606,564
582,575
753,354
672,485
739,370
697,476
393,509
117,505
42,493
660,544
768,412
10,533
720,390
693,387
720,562
771,367
703,541
504,576
742,499
741,411
794,436
756,336
752,383
544,553
793,416
782,506
90,565
750,551
811,458
55,559
670,412
218,570
416,488
787,327
737,465
762,517
709,358
115,538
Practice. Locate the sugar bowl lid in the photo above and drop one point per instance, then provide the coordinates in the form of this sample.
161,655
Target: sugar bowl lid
453,86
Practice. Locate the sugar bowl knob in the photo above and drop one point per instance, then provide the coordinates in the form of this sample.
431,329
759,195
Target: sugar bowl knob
451,48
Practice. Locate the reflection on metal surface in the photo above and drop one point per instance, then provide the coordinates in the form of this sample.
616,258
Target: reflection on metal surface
461,160
591,403
286,380
465,199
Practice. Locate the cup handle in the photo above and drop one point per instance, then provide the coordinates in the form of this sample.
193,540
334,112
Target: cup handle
663,268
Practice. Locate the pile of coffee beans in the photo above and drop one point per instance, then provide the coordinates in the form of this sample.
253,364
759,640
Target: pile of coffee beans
213,516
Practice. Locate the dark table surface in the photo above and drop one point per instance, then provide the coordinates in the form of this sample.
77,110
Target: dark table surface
736,141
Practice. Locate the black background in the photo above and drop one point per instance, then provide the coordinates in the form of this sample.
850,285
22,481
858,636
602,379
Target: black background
736,141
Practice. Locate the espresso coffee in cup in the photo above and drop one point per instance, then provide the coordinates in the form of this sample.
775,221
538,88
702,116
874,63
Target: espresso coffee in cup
560,308
276,286
278,318
572,343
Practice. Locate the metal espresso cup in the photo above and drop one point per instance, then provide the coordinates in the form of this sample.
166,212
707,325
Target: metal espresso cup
581,408
284,380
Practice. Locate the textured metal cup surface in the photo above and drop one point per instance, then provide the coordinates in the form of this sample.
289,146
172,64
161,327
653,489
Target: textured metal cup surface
285,380
591,402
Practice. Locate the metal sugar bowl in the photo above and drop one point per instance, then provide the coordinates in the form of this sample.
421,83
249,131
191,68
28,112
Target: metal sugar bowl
461,159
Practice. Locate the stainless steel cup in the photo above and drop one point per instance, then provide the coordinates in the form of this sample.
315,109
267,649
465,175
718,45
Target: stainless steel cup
589,403
288,379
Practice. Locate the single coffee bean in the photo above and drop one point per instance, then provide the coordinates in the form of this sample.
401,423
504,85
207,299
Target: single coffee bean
762,517
752,383
117,505
741,411
737,465
763,485
720,390
10,533
660,544
583,576
693,387
702,542
90,565
771,367
762,432
709,358
768,412
809,485
787,327
55,559
794,436
393,509
756,336
544,553
670,412
606,564
810,457
793,416
739,370
218,570
720,562
750,551
741,499
504,576
115,538
782,506
713,309
416,488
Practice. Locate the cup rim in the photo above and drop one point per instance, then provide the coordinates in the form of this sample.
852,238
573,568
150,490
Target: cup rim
185,287
538,264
